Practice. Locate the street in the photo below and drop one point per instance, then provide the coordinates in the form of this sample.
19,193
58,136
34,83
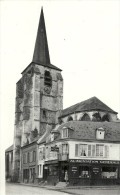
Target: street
17,189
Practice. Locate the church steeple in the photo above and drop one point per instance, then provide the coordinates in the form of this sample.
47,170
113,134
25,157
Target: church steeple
41,51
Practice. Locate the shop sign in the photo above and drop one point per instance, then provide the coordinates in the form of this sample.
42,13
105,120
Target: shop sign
55,149
95,170
74,169
94,161
45,167
109,162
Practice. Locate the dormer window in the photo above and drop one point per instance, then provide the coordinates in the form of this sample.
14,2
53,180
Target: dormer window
52,137
47,79
100,133
64,132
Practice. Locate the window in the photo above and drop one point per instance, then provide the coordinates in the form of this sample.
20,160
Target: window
96,117
82,150
34,156
47,79
30,173
85,117
42,153
64,148
26,173
91,150
39,170
84,172
109,172
64,133
70,118
31,156
24,158
53,170
28,157
99,150
106,118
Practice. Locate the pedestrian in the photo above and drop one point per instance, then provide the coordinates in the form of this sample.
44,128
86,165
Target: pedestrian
66,176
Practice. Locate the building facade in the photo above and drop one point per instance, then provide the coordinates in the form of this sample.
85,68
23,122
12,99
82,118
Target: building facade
29,163
88,151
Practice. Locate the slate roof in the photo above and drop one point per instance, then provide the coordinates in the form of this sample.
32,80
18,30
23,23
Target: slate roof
84,130
88,105
9,149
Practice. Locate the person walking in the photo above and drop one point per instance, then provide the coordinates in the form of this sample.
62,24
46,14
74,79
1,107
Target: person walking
66,176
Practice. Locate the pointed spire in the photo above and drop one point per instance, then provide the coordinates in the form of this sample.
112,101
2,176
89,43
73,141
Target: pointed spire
41,51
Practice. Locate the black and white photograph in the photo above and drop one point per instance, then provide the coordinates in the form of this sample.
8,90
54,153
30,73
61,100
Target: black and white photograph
60,97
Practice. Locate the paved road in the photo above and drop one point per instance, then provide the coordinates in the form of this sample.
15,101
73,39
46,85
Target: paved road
16,189
94,191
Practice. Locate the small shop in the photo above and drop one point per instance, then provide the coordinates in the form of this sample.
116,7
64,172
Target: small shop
51,172
94,172
29,175
54,171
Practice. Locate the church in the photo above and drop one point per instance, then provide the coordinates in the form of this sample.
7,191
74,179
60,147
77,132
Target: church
82,140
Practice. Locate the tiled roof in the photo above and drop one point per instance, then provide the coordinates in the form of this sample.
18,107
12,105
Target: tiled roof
9,149
88,105
85,130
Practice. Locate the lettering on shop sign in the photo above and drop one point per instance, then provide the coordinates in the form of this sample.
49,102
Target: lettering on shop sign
55,148
74,169
95,170
94,161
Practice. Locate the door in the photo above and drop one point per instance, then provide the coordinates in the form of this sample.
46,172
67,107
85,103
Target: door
95,175
34,175
63,169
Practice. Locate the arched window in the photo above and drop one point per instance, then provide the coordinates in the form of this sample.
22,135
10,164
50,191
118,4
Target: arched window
47,79
96,117
70,118
106,117
85,117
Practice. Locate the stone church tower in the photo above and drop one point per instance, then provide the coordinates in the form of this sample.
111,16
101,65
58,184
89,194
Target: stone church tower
39,97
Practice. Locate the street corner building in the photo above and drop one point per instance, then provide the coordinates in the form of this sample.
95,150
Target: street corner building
79,145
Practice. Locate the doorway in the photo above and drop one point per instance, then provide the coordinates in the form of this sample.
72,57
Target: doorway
63,168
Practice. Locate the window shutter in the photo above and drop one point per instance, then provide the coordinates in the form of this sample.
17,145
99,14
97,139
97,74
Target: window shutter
89,150
106,151
43,152
76,149
93,150
60,149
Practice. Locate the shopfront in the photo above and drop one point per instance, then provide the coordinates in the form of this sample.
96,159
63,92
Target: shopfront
51,172
94,172
54,171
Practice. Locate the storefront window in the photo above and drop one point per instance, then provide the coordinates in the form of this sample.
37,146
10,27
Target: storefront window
109,172
53,170
84,172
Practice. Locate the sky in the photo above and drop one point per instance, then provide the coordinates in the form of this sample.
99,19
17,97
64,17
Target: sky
84,41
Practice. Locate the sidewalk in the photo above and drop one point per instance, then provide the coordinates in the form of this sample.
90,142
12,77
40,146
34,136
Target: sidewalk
111,187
